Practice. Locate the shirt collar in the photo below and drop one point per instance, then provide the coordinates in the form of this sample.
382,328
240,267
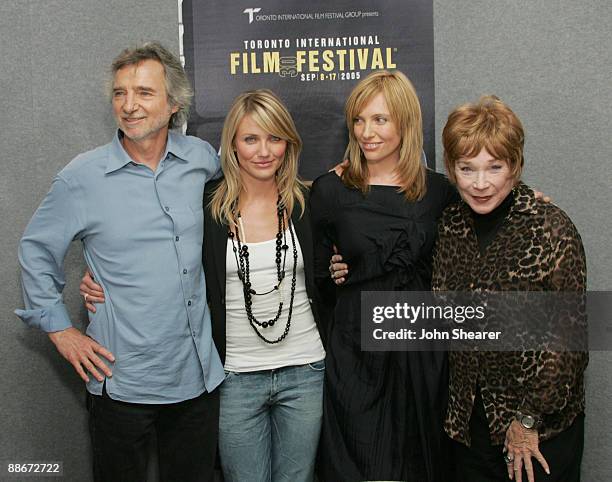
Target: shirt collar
177,146
118,157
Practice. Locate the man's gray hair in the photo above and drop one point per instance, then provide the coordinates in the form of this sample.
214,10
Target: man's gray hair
178,87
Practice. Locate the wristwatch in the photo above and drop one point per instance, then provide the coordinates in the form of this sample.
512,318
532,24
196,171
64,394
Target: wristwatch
527,421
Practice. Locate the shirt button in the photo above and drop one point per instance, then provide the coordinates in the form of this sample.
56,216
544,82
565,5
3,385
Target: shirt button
166,208
189,303
176,239
193,333
222,301
184,271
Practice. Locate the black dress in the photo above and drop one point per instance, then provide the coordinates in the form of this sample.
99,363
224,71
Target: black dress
383,411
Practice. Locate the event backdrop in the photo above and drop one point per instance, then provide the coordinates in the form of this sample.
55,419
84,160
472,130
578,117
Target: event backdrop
549,59
311,54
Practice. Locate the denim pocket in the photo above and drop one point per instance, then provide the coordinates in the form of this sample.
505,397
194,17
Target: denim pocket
317,366
229,374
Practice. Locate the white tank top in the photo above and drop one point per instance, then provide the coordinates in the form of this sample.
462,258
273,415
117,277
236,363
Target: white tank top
245,351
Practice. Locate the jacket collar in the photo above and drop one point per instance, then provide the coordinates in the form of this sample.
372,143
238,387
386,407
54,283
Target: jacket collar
525,201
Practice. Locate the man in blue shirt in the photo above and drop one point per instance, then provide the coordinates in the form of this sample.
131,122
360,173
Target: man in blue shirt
136,205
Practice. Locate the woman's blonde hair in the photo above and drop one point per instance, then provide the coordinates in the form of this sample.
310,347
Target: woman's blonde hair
405,110
268,111
487,124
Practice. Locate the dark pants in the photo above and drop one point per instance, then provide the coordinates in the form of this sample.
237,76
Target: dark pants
186,438
483,462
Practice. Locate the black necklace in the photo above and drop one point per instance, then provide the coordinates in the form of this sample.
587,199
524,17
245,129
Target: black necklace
241,253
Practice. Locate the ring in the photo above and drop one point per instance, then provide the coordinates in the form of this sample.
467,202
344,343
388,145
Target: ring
508,459
85,296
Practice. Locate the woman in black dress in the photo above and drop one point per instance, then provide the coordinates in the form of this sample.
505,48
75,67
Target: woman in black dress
383,411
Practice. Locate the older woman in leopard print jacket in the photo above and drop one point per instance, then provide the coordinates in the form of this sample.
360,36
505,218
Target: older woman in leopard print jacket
501,238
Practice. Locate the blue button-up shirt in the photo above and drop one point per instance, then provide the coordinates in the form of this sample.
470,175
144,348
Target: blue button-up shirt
142,239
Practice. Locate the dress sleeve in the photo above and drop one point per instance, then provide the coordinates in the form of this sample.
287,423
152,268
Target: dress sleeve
558,374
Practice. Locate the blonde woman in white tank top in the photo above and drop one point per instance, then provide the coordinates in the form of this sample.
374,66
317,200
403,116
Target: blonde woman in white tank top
258,262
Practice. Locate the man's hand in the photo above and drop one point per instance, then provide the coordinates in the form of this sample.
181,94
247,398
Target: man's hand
521,445
91,291
82,352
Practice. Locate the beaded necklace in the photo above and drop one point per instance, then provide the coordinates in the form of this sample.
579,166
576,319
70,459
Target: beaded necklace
241,253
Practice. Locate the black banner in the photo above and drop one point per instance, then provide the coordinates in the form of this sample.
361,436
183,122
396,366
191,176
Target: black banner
311,54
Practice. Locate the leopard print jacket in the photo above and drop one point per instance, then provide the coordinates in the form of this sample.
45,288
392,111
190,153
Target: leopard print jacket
536,249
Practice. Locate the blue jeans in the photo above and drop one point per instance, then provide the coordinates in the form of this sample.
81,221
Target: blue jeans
269,423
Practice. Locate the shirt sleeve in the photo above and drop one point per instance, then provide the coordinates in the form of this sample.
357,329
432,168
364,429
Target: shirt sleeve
215,162
560,374
42,250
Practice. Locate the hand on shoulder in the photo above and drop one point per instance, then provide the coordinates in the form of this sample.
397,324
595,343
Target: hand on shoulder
339,168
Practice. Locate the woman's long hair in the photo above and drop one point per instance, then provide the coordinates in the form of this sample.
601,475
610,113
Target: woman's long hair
268,111
405,110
